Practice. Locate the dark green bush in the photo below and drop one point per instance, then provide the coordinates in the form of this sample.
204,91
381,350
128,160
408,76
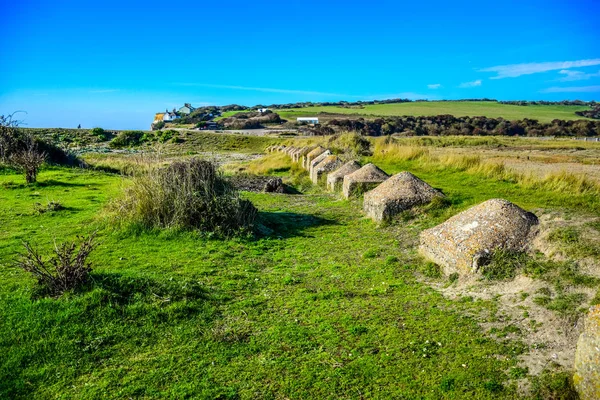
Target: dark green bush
128,139
100,133
188,194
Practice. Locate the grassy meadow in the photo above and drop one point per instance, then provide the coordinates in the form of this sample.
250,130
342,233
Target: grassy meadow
542,113
321,303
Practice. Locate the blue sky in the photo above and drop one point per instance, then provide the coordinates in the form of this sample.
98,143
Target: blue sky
115,63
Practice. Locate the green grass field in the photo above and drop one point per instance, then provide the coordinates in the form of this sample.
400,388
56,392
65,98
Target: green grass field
464,108
325,305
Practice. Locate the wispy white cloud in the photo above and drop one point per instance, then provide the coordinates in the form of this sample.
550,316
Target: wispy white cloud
470,84
401,95
434,86
572,89
515,70
262,89
570,76
104,91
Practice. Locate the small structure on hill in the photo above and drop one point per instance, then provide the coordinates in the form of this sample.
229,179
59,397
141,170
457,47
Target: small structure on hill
311,156
186,109
587,357
396,194
335,179
308,120
363,180
466,241
317,160
330,163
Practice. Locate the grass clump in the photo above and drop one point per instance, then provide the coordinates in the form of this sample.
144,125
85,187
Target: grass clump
574,243
503,265
190,195
66,270
553,385
51,206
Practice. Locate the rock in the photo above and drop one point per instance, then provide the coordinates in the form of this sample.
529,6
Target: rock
335,179
274,185
396,194
317,160
464,242
587,357
321,169
311,156
363,179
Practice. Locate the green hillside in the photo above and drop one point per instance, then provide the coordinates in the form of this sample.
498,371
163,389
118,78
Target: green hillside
543,113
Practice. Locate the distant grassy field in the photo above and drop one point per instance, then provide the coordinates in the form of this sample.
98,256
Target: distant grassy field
459,109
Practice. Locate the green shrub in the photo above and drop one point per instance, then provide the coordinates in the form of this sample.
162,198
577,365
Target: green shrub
352,144
188,194
100,133
128,139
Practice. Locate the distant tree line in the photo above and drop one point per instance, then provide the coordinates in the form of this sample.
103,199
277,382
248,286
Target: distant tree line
359,104
441,125
550,103
250,120
593,113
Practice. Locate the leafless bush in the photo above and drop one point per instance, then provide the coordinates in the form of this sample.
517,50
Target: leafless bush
28,160
18,150
188,194
66,269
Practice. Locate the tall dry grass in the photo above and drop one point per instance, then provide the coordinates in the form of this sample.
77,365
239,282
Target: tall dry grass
387,150
189,194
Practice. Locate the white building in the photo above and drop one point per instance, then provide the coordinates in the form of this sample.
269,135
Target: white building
308,120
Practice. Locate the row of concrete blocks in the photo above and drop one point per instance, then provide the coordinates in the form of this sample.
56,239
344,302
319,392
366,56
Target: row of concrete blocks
461,244
384,196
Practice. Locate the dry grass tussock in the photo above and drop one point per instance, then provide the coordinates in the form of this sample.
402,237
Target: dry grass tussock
190,195
389,151
269,165
127,164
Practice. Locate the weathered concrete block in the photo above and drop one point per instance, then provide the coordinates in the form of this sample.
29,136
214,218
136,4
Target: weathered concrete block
396,194
362,180
335,179
464,242
321,169
587,357
311,156
290,150
300,153
317,160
